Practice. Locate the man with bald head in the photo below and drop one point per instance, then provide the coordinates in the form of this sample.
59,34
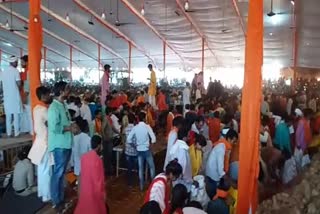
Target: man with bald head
11,83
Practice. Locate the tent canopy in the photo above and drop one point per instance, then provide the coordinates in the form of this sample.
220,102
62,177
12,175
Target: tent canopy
116,23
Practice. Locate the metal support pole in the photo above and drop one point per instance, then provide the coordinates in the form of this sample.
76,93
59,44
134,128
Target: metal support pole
71,62
129,69
99,60
164,59
45,63
202,59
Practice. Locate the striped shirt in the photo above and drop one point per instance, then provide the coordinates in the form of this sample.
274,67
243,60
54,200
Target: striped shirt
130,147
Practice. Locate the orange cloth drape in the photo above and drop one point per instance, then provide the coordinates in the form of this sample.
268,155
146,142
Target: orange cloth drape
34,49
250,111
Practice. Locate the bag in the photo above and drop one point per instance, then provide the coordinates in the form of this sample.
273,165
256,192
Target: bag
305,161
298,155
198,191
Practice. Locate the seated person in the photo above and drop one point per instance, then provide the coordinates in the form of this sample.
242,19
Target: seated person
23,175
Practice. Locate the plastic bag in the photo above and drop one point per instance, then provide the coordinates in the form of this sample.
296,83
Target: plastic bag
198,191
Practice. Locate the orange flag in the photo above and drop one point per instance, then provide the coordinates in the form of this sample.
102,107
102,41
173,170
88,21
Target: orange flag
250,111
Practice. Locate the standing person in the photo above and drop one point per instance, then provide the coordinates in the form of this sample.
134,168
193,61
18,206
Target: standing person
105,85
59,141
282,139
11,82
152,87
25,76
303,132
180,151
159,189
194,84
289,105
130,149
177,124
141,133
81,143
39,153
162,105
92,198
265,109
186,94
214,125
218,161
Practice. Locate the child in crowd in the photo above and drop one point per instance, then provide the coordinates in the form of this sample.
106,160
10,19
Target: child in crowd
92,197
130,149
178,199
151,207
81,144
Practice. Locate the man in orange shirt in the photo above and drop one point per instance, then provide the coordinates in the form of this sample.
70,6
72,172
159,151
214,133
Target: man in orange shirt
162,105
214,125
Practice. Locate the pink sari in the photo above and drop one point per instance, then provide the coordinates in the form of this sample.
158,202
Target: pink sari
92,185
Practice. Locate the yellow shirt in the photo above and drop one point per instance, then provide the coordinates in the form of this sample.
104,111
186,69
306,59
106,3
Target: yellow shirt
195,159
153,84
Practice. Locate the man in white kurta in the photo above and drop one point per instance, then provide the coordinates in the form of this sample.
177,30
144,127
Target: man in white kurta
186,94
180,151
39,154
11,81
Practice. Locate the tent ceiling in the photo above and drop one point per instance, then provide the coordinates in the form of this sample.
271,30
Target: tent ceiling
215,20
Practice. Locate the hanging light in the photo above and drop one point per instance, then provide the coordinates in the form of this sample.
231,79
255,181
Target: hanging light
7,24
142,11
292,2
103,15
186,5
67,17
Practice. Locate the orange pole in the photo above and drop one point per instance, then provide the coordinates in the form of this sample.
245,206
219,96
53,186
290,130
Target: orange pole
250,111
130,59
202,56
70,62
164,59
34,48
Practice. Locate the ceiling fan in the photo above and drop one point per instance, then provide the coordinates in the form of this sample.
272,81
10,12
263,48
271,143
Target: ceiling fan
117,22
9,25
272,13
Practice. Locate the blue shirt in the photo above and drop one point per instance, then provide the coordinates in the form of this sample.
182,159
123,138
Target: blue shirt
58,118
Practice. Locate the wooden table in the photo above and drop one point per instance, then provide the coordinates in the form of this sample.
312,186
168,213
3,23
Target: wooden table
9,148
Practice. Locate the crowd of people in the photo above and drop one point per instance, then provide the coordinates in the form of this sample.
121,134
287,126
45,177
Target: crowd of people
73,128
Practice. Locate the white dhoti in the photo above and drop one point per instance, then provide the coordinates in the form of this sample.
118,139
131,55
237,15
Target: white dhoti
152,101
44,175
26,120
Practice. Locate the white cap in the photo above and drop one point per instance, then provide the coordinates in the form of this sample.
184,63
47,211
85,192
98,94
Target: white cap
13,59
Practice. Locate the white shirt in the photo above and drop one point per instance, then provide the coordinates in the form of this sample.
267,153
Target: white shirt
81,145
75,108
265,108
215,163
289,106
186,96
85,113
180,151
198,94
158,192
141,133
172,137
11,94
115,122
